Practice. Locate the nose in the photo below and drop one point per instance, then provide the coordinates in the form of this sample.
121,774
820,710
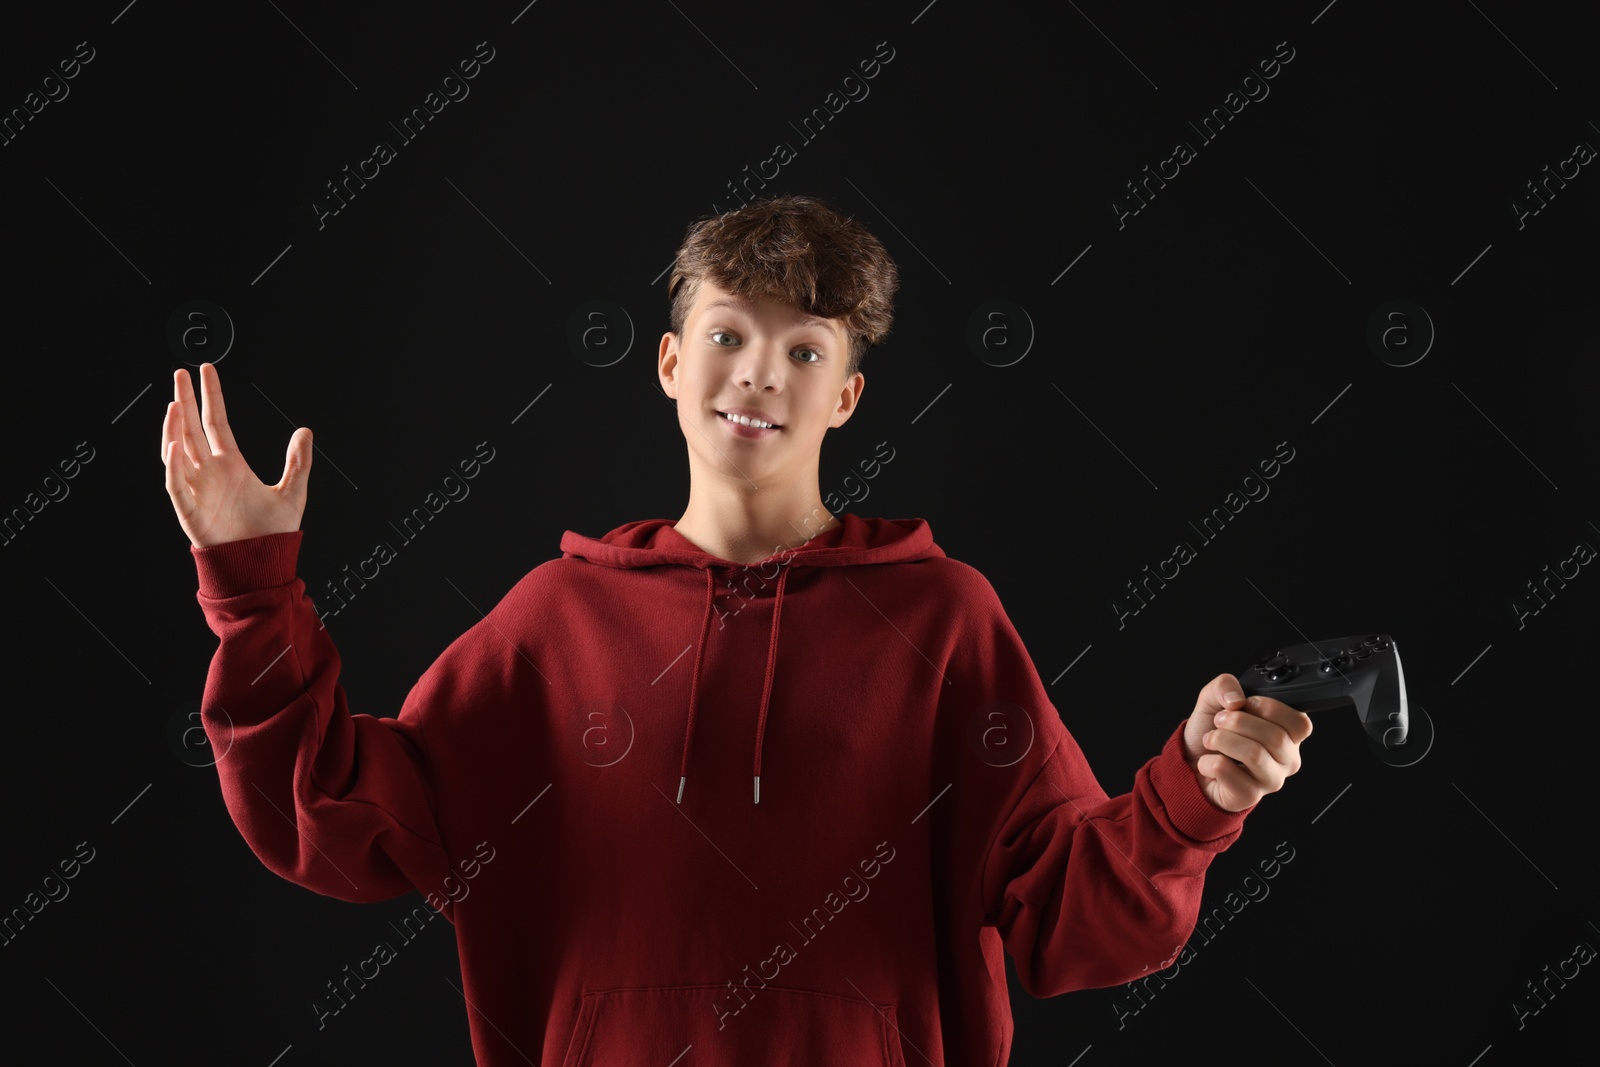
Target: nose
759,365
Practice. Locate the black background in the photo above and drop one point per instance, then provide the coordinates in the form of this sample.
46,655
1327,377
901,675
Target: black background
1229,315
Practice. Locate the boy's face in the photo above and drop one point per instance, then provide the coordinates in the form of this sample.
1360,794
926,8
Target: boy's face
773,362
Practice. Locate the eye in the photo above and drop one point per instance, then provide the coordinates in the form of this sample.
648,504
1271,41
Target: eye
814,352
721,333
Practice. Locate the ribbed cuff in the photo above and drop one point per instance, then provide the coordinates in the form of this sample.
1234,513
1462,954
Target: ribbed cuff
235,567
1178,786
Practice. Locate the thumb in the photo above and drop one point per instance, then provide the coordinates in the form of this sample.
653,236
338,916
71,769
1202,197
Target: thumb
297,462
1224,692
1213,698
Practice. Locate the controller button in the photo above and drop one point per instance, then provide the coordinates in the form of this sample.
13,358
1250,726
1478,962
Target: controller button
1377,643
1285,671
1276,663
1363,653
1329,666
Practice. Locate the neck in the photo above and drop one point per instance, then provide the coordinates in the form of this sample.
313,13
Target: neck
746,525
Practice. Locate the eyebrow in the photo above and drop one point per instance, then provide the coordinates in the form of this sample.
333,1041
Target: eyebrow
744,306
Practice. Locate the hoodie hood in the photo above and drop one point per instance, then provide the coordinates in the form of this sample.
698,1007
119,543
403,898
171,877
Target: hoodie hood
852,542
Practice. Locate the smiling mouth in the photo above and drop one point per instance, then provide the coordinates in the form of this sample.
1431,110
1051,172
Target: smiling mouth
739,420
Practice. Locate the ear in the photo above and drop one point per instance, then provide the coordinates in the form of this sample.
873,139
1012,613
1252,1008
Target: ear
667,364
849,397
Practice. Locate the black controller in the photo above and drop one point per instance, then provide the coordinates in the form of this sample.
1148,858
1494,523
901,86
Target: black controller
1363,671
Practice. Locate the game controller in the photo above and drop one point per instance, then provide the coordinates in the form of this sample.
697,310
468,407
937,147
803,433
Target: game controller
1362,671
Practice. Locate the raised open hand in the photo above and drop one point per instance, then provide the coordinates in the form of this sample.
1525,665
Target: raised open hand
216,495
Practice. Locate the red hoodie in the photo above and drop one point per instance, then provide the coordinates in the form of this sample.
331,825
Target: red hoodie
787,813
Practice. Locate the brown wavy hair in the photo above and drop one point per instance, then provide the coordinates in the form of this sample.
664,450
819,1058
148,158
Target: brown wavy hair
800,251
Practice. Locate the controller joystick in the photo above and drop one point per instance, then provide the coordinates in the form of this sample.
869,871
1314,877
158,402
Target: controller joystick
1361,672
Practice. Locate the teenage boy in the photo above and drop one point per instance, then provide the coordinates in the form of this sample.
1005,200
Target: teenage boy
771,784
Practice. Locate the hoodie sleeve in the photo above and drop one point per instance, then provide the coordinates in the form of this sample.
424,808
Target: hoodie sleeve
1086,890
341,804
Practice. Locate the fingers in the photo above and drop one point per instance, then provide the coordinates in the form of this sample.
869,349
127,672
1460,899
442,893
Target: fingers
204,433
1296,724
1268,760
177,478
216,415
166,429
1239,782
1224,692
172,432
1270,734
1253,745
188,429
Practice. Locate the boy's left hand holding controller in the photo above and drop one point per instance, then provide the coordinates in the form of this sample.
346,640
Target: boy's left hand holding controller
1242,750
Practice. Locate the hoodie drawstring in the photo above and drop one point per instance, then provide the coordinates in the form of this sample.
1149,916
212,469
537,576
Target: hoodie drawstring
766,688
694,688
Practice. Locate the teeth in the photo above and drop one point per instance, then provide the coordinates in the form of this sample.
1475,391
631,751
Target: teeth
743,420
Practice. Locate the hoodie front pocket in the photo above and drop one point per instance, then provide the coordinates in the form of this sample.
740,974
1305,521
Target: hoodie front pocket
707,1026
